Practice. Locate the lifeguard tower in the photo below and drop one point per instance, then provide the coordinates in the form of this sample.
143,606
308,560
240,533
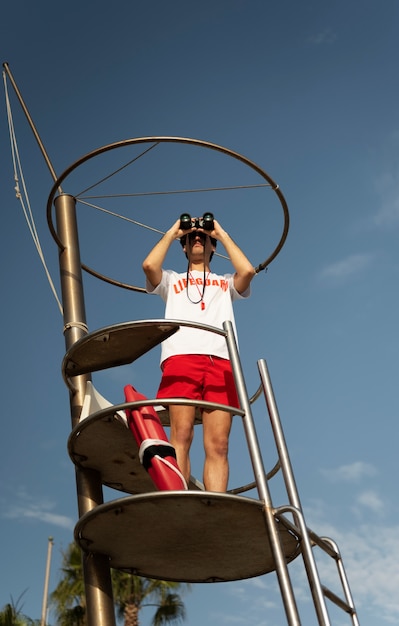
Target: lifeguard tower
245,536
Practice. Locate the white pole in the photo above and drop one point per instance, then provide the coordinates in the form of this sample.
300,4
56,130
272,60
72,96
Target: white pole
46,581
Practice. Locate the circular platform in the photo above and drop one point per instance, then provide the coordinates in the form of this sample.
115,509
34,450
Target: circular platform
184,536
115,345
105,444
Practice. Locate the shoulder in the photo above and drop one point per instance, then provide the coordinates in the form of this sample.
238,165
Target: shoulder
168,277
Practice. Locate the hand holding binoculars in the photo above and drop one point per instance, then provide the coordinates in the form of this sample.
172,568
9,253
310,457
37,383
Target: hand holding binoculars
205,222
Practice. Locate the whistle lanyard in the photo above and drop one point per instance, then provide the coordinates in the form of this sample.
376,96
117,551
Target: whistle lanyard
201,300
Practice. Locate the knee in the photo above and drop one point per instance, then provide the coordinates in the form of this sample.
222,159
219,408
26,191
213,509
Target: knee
182,436
217,447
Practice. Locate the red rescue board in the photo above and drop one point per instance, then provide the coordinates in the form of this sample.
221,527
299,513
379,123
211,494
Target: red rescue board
156,454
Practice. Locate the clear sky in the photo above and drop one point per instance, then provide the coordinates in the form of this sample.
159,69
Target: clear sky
308,91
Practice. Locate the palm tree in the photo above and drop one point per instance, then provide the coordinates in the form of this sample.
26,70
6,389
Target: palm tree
68,597
131,594
11,615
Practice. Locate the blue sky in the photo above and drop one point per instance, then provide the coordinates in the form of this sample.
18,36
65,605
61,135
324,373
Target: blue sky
308,92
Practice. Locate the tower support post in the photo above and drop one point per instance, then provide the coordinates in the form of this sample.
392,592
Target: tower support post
96,571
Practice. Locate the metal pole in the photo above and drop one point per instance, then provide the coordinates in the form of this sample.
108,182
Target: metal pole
261,482
286,467
96,571
344,581
31,124
46,581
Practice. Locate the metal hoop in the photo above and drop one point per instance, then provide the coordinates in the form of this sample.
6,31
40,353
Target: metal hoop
182,140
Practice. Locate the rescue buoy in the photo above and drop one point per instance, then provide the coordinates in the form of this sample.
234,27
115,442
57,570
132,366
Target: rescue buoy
156,453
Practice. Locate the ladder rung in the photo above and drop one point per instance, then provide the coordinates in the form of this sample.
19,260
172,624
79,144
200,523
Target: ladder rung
337,600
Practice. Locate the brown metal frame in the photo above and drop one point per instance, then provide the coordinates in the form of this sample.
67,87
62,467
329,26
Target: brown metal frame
159,139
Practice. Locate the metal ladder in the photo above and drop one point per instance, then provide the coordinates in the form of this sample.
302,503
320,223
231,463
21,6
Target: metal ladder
276,515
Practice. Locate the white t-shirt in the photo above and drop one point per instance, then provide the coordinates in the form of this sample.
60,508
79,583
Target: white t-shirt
183,304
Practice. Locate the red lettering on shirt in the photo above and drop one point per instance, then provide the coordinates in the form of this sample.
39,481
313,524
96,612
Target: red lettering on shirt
181,284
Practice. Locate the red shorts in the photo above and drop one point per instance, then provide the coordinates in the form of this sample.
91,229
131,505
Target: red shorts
198,377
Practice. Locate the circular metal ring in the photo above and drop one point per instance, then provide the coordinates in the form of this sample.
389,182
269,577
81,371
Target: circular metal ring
183,140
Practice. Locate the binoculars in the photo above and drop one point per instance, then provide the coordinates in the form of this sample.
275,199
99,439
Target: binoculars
205,222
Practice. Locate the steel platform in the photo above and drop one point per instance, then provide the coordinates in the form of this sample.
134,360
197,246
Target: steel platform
103,442
188,536
115,345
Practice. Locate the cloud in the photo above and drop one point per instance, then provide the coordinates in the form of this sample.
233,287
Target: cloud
260,602
42,515
28,507
346,268
354,472
370,500
371,559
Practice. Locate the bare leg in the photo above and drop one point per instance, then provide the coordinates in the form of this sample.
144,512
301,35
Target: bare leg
181,435
216,429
